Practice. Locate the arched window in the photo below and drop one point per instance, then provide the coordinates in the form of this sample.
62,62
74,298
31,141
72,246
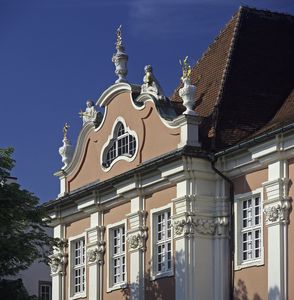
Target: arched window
122,144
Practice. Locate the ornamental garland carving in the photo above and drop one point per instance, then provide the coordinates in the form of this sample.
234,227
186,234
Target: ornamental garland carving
206,226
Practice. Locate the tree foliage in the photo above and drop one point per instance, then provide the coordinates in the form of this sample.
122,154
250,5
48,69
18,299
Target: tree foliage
23,238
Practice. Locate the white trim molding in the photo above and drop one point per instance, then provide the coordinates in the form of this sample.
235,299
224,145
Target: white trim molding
71,293
251,214
111,137
276,210
109,232
153,242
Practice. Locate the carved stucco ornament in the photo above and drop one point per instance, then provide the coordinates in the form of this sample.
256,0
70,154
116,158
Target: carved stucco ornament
58,260
205,226
138,240
277,212
184,225
96,255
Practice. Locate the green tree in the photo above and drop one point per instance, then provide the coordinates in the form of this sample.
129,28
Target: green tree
23,238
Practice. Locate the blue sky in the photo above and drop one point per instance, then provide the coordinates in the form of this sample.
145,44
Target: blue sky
56,54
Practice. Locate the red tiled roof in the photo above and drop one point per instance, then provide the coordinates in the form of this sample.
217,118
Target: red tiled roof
246,77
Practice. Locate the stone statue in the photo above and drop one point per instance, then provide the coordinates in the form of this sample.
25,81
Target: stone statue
151,84
118,43
65,130
90,113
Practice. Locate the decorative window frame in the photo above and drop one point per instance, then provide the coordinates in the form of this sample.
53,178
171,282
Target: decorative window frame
109,228
153,213
44,283
239,264
111,137
71,293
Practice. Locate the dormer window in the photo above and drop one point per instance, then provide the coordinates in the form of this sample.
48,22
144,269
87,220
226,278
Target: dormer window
122,145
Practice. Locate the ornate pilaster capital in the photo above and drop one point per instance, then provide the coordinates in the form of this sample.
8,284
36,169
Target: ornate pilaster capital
58,260
184,225
96,254
277,212
137,239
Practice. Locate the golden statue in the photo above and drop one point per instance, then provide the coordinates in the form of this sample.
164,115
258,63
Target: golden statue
118,38
65,130
186,68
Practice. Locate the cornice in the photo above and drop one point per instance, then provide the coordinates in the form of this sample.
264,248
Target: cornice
112,92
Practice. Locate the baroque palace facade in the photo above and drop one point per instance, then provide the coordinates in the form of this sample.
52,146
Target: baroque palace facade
187,197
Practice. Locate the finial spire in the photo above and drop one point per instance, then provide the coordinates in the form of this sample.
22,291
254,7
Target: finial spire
118,44
187,92
120,58
66,151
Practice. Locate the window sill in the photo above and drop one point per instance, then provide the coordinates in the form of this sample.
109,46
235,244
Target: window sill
161,275
119,286
252,263
78,296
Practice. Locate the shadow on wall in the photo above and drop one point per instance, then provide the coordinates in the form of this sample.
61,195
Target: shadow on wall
241,293
159,289
274,294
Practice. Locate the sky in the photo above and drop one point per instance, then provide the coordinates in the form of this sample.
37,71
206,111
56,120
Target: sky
56,54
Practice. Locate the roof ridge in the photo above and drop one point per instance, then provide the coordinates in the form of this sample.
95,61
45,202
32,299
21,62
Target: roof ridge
266,11
230,54
206,52
216,38
214,113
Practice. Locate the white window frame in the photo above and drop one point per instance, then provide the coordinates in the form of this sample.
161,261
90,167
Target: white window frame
112,137
238,208
153,222
45,284
71,292
109,256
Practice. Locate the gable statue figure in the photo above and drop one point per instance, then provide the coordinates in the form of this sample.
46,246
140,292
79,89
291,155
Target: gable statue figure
89,115
151,84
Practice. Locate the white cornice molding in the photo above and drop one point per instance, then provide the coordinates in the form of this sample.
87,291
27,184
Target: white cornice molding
259,156
111,92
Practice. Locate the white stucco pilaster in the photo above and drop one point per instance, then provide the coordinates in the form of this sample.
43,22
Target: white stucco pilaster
137,235
58,262
276,207
95,255
200,231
